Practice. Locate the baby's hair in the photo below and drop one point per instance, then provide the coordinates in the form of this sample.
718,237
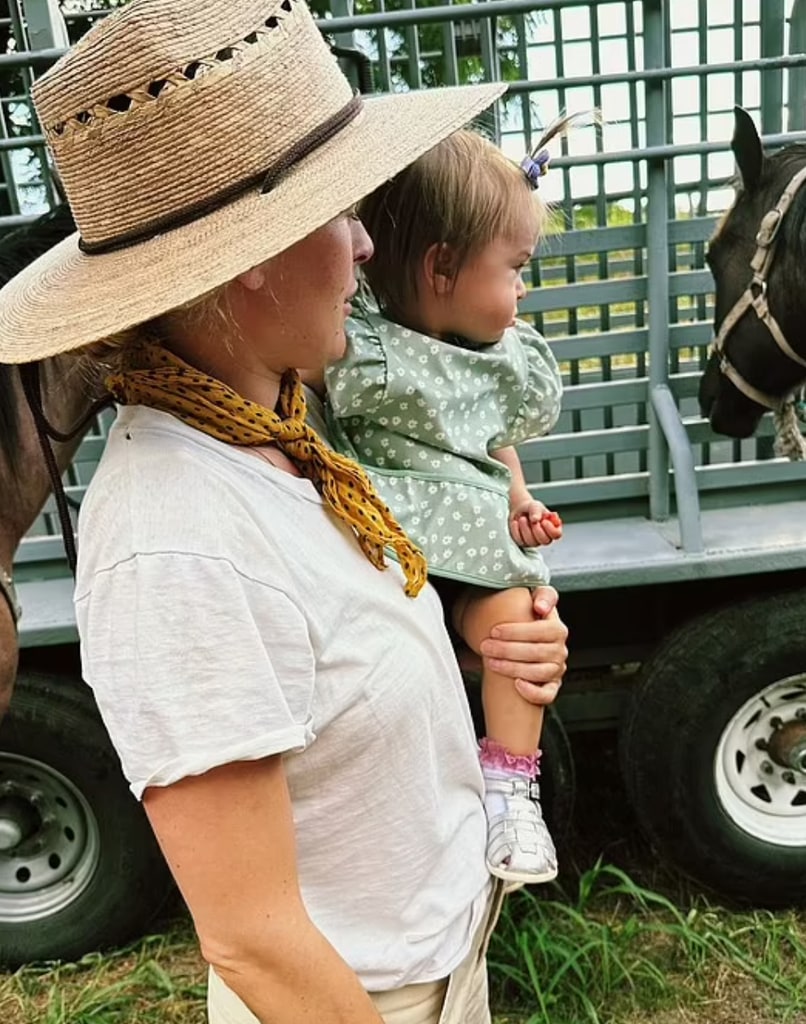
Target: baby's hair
463,194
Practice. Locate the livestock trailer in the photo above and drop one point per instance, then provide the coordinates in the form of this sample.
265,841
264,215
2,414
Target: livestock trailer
682,571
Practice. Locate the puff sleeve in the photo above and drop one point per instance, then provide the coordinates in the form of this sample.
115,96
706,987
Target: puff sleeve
541,394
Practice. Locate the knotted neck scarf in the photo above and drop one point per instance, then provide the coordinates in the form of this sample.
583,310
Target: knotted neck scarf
155,377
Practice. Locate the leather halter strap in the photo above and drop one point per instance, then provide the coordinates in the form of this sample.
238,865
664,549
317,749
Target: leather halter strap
8,591
755,297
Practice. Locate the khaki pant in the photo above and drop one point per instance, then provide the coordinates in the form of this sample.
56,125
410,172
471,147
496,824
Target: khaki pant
460,999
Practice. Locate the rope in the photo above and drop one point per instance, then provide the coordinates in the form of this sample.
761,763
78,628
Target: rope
789,441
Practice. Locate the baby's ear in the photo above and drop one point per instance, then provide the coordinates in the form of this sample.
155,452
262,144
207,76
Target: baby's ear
439,267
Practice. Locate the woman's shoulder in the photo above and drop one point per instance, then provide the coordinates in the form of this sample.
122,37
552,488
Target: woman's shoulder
163,486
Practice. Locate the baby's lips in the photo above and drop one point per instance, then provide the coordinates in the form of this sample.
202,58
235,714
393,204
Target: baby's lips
553,518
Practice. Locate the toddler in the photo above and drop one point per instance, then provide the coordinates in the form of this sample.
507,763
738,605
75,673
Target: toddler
438,384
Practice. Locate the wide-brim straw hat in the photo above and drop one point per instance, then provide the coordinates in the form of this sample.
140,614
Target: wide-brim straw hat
194,141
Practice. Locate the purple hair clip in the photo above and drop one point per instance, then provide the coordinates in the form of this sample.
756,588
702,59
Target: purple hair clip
534,167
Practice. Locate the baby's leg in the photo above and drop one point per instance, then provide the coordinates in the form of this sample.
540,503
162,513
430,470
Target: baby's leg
519,847
509,719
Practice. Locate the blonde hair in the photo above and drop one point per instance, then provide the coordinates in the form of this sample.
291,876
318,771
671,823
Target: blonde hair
206,314
462,194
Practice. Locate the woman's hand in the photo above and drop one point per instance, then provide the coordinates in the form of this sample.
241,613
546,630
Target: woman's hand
534,654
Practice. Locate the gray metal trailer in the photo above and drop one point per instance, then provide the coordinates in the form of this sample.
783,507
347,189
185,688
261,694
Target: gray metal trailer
683,566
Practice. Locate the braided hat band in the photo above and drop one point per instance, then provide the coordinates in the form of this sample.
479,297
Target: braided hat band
157,378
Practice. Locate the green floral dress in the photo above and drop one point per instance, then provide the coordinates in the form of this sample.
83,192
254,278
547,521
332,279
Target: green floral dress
422,415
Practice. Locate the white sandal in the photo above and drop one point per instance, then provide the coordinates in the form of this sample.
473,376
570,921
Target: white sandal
519,847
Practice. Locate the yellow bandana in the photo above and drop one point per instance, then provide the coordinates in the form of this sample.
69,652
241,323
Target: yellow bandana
157,378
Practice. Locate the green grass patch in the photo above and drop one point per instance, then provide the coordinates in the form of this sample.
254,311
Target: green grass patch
610,952
615,951
159,980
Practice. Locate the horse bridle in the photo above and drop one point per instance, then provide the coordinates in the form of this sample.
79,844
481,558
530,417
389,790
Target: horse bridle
755,297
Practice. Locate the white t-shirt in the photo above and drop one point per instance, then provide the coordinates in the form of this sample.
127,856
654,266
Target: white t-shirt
225,614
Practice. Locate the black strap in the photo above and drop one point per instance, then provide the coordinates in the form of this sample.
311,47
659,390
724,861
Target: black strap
45,432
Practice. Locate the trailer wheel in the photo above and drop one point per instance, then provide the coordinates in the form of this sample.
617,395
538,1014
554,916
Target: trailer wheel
713,750
79,867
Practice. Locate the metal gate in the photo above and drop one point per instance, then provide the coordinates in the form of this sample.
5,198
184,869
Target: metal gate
620,286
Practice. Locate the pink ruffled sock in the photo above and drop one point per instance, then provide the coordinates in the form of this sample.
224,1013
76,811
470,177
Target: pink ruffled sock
496,758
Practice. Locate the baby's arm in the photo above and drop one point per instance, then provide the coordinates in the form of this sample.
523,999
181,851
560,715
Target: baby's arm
531,524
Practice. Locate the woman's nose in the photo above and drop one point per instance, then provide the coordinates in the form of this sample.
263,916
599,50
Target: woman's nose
363,247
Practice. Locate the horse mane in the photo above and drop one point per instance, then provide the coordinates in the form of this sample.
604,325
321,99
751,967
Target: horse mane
18,248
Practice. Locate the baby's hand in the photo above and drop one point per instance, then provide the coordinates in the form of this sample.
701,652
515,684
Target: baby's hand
531,524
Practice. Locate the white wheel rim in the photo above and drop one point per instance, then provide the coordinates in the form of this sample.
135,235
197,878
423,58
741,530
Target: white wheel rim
757,794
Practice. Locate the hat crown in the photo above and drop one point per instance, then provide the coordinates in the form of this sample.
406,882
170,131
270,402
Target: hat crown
167,104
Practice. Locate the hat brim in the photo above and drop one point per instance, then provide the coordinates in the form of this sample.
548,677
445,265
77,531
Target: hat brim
66,299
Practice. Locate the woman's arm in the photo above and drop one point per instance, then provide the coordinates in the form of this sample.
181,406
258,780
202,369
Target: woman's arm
228,837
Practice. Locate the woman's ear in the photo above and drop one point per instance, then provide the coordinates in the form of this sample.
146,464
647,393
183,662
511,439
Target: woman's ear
438,267
252,280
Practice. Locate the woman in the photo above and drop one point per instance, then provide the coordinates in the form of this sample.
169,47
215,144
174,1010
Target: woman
288,710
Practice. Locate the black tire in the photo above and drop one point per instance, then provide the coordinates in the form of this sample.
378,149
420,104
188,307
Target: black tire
714,804
557,778
79,867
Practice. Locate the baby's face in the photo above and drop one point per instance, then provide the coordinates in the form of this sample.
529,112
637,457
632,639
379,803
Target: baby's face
483,302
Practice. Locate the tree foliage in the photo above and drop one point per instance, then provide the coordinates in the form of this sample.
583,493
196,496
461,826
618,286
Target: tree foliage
409,57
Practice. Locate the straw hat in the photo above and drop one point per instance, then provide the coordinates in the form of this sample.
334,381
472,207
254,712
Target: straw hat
195,140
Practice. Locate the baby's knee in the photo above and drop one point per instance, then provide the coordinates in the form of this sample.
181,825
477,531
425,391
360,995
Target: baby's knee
479,611
513,605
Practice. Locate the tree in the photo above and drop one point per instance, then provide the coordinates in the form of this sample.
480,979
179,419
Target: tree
430,65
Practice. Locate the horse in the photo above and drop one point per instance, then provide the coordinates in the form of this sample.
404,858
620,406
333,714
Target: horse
66,396
758,259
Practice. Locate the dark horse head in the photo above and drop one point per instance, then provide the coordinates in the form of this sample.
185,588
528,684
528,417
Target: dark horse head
17,249
758,259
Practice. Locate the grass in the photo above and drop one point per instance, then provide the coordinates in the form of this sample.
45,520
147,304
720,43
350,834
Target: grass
615,951
159,980
621,940
612,952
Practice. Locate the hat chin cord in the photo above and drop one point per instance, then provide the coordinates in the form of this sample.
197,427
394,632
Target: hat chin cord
46,433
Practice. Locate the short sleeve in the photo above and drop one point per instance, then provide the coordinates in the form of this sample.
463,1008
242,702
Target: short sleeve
356,384
194,665
542,394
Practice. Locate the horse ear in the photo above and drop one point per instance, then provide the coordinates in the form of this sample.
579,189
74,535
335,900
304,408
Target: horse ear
746,146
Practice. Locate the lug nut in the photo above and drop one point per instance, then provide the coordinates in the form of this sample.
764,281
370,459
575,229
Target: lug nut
776,722
767,768
788,777
761,743
801,714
